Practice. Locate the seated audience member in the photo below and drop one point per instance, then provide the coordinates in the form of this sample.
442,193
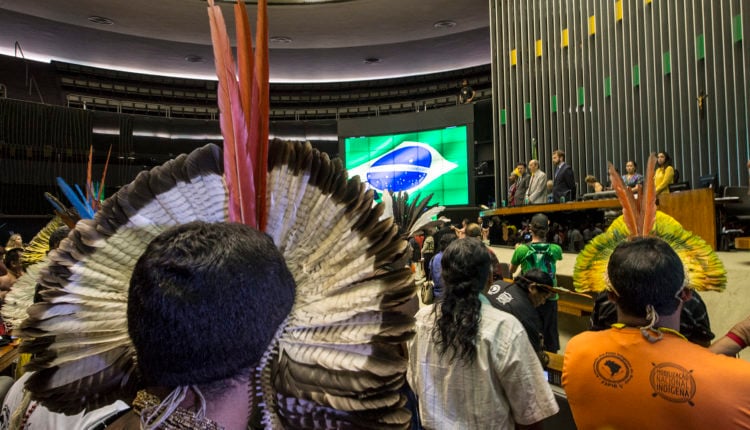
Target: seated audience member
14,241
435,266
541,255
520,299
594,184
482,373
203,269
12,261
642,373
632,179
694,322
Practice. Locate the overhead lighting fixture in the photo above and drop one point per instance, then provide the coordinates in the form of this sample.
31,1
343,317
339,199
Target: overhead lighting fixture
280,39
446,23
372,60
100,20
193,58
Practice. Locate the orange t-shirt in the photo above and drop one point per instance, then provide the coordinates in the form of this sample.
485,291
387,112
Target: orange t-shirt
615,379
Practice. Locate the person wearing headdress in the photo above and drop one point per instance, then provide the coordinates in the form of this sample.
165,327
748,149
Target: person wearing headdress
642,373
520,298
482,373
335,357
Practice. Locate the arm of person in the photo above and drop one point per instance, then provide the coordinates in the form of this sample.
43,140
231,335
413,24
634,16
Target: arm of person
517,257
735,340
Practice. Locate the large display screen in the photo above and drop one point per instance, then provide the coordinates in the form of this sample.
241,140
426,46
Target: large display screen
427,161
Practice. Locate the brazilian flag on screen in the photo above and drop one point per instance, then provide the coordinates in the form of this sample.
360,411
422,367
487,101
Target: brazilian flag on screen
428,161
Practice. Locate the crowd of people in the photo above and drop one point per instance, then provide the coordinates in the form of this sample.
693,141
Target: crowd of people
487,371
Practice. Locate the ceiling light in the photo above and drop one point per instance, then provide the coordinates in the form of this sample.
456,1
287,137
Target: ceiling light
100,20
280,39
446,23
193,59
372,60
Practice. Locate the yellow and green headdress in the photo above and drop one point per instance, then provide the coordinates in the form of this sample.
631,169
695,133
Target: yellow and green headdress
703,269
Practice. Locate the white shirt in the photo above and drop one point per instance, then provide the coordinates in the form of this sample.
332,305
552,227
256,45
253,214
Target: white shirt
41,417
504,385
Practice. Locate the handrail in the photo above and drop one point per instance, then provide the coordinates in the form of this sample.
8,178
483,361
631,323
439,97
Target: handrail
33,84
17,48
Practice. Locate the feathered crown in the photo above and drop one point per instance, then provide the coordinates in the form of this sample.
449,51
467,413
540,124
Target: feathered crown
339,360
703,269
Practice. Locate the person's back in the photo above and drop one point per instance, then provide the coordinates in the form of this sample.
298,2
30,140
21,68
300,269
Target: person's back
479,375
642,373
670,384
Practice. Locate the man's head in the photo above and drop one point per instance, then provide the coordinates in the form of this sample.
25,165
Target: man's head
521,167
474,230
538,284
646,271
533,166
12,260
558,157
539,225
205,301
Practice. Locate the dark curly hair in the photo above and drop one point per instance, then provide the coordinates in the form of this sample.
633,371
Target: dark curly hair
466,268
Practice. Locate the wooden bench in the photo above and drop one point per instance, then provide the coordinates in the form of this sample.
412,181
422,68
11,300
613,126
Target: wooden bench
573,304
742,243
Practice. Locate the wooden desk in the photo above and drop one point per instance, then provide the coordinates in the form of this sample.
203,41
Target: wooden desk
554,207
694,209
9,354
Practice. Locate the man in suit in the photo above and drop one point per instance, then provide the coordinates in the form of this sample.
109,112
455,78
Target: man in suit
564,180
537,192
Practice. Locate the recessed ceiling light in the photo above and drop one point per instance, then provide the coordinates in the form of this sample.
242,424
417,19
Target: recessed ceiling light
372,60
100,20
193,59
280,39
446,23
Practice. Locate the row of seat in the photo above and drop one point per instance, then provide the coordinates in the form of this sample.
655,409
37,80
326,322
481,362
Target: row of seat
174,110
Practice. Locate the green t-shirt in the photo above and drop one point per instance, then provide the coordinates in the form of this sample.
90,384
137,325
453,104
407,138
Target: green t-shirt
543,256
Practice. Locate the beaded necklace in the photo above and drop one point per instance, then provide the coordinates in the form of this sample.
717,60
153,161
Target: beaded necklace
180,419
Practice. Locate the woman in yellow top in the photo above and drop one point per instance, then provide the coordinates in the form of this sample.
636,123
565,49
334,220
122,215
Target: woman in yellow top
664,176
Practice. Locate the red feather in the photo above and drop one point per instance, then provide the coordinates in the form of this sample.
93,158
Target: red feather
237,162
259,112
648,198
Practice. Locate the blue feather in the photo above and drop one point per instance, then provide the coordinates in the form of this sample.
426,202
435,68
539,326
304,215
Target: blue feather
76,199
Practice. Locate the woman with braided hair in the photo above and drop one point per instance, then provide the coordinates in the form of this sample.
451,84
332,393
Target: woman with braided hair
471,365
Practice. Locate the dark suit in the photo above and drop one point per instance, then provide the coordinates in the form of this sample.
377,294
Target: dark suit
564,183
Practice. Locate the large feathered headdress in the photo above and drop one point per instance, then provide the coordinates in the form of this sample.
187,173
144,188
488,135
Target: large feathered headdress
337,363
703,269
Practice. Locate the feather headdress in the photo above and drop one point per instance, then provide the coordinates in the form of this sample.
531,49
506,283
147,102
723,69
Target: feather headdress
338,361
703,268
